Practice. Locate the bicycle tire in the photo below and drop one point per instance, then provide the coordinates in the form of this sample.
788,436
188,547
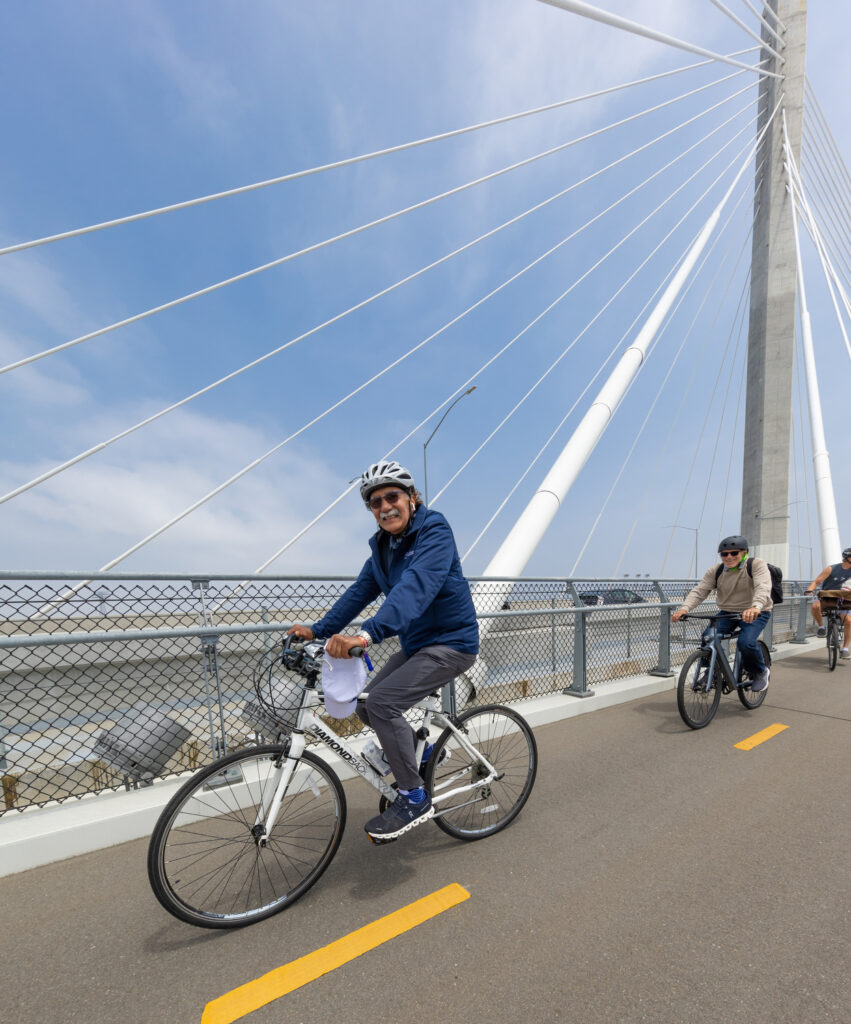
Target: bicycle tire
697,704
204,864
750,699
832,643
506,740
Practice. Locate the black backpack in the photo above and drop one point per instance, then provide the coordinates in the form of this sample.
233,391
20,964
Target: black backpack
776,580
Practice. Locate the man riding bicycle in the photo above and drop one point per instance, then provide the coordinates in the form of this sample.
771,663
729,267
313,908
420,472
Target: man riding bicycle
415,564
833,577
738,593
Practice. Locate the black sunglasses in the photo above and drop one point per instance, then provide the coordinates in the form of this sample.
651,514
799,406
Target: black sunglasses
392,496
726,554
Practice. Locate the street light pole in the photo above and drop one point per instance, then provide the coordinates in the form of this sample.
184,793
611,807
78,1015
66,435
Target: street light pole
695,530
469,391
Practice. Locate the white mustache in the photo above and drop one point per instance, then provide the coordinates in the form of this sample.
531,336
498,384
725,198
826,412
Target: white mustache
392,514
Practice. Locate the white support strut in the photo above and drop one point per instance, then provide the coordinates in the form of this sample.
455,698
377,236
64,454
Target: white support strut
516,550
831,547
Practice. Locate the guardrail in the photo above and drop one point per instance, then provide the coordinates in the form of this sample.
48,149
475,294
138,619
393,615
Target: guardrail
85,660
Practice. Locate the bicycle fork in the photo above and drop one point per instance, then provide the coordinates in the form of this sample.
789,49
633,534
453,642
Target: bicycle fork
269,813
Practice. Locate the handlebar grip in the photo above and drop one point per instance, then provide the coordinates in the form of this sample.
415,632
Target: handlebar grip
358,651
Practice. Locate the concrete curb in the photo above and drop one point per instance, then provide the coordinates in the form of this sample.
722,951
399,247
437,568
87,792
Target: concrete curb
43,835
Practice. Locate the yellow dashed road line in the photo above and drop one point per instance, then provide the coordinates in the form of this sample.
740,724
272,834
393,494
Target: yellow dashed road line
761,737
247,998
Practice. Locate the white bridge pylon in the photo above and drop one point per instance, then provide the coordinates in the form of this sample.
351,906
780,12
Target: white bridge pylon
514,553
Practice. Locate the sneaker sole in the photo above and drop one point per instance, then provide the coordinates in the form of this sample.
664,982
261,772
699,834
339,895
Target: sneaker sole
387,837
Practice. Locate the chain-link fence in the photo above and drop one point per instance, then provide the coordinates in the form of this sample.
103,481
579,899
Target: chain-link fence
112,681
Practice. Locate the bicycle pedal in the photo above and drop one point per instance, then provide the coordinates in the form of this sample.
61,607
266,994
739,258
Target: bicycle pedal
381,842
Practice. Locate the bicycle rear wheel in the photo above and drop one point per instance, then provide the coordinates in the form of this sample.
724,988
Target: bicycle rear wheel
204,863
750,699
832,642
698,696
505,739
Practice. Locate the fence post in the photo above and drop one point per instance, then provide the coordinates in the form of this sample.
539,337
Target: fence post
663,662
579,686
800,636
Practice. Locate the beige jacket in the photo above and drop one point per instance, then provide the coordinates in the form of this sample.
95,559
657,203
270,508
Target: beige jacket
736,590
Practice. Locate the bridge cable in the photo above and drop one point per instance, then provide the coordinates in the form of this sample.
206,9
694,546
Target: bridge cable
254,463
700,435
824,201
663,284
671,430
817,179
671,315
722,263
586,10
750,31
588,326
770,10
768,27
462,387
821,123
351,233
800,203
360,305
349,161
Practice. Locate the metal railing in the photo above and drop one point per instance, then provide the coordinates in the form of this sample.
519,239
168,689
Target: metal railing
88,659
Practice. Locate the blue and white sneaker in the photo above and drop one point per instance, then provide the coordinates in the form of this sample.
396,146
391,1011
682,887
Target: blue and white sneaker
400,817
760,682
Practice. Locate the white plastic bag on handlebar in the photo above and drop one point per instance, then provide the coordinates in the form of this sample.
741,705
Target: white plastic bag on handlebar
342,680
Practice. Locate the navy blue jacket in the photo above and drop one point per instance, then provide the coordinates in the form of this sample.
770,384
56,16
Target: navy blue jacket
427,598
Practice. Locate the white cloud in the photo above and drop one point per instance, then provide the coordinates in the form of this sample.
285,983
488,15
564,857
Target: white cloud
83,518
208,95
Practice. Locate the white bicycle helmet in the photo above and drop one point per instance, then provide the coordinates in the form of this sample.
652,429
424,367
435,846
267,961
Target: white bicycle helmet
384,474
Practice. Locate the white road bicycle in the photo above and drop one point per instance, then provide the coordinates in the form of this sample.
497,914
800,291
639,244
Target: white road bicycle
246,836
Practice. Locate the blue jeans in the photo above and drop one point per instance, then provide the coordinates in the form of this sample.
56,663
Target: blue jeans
752,659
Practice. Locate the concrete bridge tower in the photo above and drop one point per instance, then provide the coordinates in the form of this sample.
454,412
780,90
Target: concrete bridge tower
766,502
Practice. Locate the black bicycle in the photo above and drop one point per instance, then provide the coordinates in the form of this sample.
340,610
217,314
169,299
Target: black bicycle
833,604
707,674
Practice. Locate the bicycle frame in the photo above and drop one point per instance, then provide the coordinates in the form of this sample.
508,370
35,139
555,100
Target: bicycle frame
718,656
309,724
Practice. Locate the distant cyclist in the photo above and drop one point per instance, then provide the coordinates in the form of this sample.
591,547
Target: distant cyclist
833,577
415,564
738,594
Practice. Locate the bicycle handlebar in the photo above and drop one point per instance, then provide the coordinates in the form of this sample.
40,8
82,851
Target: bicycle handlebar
717,615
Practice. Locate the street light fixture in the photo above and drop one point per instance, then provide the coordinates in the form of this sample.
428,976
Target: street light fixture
469,391
695,530
768,515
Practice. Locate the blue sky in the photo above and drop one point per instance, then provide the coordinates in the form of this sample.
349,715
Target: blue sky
114,109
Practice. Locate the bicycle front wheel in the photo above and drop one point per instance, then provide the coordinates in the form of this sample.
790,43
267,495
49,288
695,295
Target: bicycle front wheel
832,643
205,864
505,739
698,696
750,699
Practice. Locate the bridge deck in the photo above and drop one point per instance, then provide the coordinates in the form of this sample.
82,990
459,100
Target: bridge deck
657,874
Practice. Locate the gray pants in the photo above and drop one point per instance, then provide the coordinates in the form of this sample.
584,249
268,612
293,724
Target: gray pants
398,686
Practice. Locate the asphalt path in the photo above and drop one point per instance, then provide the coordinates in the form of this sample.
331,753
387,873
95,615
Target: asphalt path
656,874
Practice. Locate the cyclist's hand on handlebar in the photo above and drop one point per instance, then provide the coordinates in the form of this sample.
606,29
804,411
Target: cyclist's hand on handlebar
301,632
680,613
338,646
749,614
